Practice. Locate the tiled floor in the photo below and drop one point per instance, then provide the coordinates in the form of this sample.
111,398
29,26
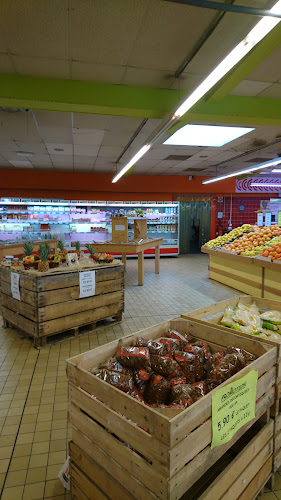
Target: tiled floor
33,391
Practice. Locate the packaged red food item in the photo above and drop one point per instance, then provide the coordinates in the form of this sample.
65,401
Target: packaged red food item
141,377
157,391
121,381
137,395
205,347
187,361
182,394
170,346
214,360
199,389
153,346
164,366
183,339
249,357
113,365
228,366
199,360
134,357
177,381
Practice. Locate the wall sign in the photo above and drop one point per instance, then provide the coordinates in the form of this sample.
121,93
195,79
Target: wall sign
15,285
220,215
87,284
233,406
242,208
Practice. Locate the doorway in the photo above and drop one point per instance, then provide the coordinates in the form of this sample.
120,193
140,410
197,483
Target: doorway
195,223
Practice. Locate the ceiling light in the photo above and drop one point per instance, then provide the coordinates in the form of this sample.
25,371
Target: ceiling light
249,170
206,135
140,153
25,153
265,184
262,28
277,170
58,149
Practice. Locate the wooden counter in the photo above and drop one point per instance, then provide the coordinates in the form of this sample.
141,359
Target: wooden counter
133,247
17,248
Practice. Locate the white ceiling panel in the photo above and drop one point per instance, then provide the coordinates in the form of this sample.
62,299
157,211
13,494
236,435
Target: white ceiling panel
250,88
123,124
110,152
87,137
52,118
88,122
41,67
6,64
62,159
33,147
269,70
86,150
116,139
52,134
104,160
147,77
37,29
21,163
273,91
101,73
59,149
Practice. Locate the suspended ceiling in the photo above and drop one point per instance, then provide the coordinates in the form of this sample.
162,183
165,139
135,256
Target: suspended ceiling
134,47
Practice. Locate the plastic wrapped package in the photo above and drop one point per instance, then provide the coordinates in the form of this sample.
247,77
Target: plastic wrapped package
153,346
227,319
121,381
248,356
247,316
228,366
157,391
170,346
164,366
214,360
182,394
192,366
271,317
113,365
173,334
199,359
205,347
141,377
199,390
178,380
134,357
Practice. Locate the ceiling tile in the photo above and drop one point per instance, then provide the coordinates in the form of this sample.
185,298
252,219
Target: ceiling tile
102,73
272,92
21,163
148,77
35,29
54,134
86,150
110,152
88,121
52,118
6,65
87,137
123,123
34,147
41,67
62,159
249,88
269,70
116,139
53,148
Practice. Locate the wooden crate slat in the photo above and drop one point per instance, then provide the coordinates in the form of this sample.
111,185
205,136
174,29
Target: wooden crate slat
26,296
139,439
127,458
19,321
87,462
26,281
77,493
84,484
229,480
184,480
258,482
22,308
72,293
151,420
75,306
61,280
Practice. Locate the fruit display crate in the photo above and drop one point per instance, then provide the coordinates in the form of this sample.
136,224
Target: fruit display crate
49,302
17,248
122,448
213,314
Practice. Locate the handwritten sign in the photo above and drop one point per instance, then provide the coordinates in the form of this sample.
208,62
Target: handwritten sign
233,406
87,284
260,219
267,219
15,285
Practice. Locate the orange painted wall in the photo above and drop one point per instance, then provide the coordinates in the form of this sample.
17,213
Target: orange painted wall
72,185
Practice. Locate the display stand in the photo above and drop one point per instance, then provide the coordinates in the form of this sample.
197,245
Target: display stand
17,248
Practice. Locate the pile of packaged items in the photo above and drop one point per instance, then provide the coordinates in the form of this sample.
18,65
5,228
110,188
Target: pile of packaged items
171,372
249,319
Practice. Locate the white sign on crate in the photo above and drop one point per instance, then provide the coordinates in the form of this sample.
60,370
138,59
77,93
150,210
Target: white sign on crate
260,219
119,228
15,285
267,219
87,284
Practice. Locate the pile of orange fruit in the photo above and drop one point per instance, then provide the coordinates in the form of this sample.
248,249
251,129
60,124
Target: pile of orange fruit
274,253
258,238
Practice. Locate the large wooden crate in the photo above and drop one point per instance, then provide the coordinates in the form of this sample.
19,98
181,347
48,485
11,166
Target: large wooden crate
236,271
50,302
169,450
271,278
213,314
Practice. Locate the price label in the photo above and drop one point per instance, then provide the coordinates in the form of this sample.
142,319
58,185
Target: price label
260,219
87,284
279,219
15,285
119,227
233,406
267,219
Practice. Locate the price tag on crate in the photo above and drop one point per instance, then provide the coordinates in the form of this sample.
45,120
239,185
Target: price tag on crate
233,406
15,286
87,284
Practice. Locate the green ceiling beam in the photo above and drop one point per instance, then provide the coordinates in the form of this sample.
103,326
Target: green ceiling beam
86,97
250,111
248,64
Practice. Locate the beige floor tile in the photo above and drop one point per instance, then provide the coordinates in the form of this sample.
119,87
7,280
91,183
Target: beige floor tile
57,457
34,491
4,465
25,438
39,448
5,452
36,475
14,493
22,450
19,463
58,445
53,487
16,478
41,436
53,471
39,460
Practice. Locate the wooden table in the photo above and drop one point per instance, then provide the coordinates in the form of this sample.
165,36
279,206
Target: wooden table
17,248
133,247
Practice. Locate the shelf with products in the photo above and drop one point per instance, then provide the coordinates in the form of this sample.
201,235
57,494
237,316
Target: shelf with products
28,214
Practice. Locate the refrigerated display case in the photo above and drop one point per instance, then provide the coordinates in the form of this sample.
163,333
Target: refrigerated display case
88,221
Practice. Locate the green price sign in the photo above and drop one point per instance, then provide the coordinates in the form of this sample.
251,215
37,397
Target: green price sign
232,407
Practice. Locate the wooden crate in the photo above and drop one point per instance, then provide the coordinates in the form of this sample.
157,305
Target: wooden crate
169,449
271,278
236,271
213,314
50,302
119,229
140,228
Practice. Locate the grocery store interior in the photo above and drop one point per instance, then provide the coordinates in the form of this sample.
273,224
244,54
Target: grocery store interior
140,250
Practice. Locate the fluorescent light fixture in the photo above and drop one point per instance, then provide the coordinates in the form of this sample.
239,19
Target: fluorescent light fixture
24,153
137,156
249,170
265,184
206,135
277,170
241,50
262,28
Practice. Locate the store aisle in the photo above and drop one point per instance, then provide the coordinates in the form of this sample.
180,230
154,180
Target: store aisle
33,388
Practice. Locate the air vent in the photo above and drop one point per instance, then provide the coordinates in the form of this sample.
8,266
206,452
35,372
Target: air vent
178,157
194,169
257,160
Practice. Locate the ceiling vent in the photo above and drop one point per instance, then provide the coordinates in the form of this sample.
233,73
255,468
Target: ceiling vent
257,160
194,169
178,157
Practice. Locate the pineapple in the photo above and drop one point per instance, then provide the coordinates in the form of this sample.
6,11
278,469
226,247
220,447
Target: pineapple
62,250
28,250
44,251
77,248
90,250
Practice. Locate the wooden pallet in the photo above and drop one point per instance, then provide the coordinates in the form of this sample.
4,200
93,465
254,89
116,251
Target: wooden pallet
213,314
169,449
50,303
